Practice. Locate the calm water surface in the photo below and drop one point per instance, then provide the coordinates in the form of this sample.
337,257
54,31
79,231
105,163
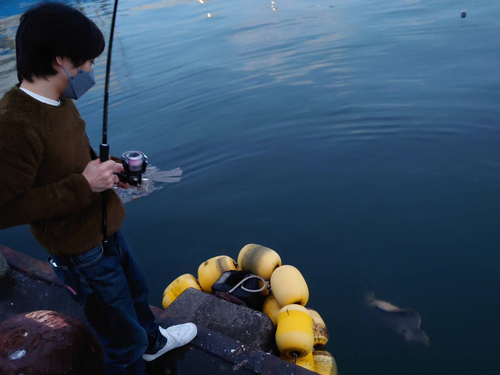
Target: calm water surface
359,139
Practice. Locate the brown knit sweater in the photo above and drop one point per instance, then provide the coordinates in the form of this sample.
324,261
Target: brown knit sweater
44,150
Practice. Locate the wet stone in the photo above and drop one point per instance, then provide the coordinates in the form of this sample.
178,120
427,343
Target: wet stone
250,327
4,267
33,286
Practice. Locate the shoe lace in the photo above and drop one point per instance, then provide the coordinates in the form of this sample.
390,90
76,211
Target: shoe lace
177,333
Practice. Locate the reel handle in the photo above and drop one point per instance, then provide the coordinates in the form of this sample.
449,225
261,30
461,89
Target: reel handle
133,180
123,177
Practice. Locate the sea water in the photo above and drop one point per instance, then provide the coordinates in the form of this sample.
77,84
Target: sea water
359,139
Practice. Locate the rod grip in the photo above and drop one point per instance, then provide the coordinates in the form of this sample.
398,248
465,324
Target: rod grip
104,152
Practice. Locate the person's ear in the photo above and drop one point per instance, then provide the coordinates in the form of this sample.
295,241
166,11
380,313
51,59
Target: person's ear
59,60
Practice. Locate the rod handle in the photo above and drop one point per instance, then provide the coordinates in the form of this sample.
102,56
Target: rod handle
104,152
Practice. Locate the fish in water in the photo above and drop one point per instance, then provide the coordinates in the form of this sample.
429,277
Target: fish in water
406,322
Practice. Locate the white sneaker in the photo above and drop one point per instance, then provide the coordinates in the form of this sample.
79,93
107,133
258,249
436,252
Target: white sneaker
177,336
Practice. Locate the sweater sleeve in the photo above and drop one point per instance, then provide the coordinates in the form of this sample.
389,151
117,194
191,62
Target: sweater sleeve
20,201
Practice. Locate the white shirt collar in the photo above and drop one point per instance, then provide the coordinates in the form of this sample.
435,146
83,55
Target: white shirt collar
41,98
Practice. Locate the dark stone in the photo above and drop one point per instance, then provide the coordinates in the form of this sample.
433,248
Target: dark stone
33,286
4,267
214,353
23,293
48,342
241,323
28,265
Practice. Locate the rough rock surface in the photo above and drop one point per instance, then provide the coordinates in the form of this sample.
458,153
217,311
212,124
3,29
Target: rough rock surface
31,286
216,354
237,347
4,267
241,323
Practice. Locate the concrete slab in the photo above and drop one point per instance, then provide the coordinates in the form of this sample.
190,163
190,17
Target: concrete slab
32,286
30,266
233,356
4,267
250,327
21,293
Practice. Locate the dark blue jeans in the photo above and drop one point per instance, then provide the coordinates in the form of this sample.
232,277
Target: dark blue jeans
113,291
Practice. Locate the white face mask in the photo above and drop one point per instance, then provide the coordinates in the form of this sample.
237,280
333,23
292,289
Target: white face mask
79,84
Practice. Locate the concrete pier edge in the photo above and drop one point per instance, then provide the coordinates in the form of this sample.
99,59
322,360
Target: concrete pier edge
30,276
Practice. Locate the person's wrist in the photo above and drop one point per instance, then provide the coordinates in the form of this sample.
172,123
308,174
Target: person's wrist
87,179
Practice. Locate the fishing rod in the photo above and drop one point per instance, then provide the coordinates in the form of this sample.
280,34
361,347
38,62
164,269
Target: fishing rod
134,162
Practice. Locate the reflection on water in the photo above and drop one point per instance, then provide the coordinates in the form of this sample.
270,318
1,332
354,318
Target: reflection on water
164,4
152,180
8,76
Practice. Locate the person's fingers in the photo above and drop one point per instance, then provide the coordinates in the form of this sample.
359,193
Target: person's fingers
118,168
108,165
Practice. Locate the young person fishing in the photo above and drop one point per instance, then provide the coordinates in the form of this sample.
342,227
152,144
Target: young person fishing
50,181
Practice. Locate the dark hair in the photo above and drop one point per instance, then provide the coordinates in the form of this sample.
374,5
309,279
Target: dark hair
52,29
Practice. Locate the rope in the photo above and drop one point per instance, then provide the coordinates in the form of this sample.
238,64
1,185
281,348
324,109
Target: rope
246,278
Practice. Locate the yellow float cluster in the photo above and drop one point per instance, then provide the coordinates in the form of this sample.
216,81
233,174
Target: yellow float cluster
211,270
301,333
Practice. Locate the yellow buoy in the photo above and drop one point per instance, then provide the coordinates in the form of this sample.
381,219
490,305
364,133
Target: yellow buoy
324,363
319,329
294,334
210,271
177,287
271,308
288,286
258,260
306,362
